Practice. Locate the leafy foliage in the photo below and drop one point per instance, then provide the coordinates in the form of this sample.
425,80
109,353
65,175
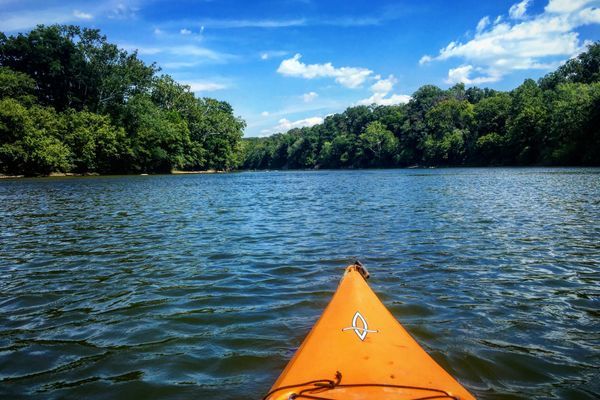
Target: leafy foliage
555,121
73,102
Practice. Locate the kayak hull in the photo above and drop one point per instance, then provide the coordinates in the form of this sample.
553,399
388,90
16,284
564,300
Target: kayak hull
358,350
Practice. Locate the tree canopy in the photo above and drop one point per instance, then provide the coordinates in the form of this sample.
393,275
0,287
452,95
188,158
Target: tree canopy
555,121
70,101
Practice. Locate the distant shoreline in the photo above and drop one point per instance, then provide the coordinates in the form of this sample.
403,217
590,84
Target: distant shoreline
211,172
75,174
208,171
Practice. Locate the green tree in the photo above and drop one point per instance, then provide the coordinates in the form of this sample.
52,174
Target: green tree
491,116
96,145
16,85
526,127
301,153
380,145
158,137
449,136
490,148
573,128
29,140
412,141
76,68
114,113
585,68
220,133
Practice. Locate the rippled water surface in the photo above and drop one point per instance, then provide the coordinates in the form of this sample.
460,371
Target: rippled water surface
202,286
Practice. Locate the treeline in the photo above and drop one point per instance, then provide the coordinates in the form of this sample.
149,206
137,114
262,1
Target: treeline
555,121
72,102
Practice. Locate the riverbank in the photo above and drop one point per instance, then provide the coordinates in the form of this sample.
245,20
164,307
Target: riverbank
212,171
208,171
51,175
66,174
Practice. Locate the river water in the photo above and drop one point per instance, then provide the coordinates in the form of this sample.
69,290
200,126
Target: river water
202,286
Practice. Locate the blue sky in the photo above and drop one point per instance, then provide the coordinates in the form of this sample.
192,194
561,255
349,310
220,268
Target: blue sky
289,63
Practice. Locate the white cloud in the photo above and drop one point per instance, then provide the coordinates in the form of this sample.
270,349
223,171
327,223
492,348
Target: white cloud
180,64
264,114
27,16
341,21
590,16
426,59
193,55
566,6
143,50
185,31
384,85
285,125
158,31
351,77
249,23
82,15
205,86
462,74
482,24
123,11
381,89
23,20
541,42
197,51
310,96
518,10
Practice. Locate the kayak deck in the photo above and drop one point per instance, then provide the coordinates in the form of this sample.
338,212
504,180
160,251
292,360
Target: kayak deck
357,350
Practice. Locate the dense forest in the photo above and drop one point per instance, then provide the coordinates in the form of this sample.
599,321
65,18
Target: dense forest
72,102
555,121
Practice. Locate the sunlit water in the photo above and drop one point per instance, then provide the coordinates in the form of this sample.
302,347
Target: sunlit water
202,286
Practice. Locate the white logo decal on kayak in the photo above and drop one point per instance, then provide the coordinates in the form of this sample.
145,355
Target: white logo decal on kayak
361,331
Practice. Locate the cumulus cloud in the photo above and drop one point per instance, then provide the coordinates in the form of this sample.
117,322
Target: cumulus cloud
541,42
462,74
310,96
285,125
517,11
185,31
590,16
381,93
82,15
351,77
264,114
426,59
566,6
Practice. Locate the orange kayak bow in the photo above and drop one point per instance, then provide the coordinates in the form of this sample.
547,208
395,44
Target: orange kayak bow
357,350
